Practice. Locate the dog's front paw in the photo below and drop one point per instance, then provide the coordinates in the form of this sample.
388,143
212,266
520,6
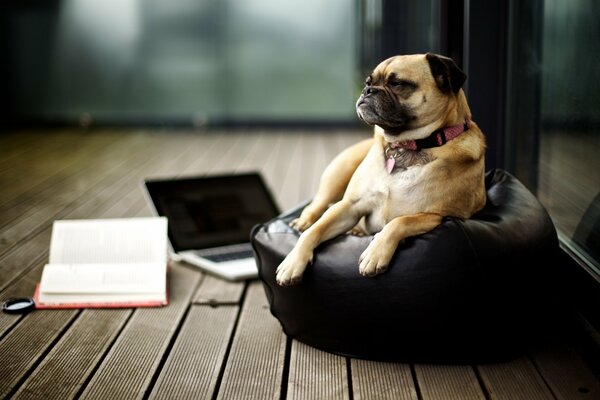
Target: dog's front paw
376,257
309,216
301,223
291,269
357,231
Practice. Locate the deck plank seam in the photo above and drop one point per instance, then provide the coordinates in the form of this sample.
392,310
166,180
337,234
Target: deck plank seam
13,326
39,360
101,359
484,389
48,183
82,198
109,173
286,368
230,339
541,375
413,374
165,354
63,212
349,379
41,259
170,345
56,173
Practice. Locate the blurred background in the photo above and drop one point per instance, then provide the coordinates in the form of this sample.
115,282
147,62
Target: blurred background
533,67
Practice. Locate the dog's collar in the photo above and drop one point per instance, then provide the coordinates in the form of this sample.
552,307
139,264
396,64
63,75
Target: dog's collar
437,138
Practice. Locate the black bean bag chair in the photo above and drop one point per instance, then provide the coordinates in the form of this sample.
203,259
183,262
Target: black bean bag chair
468,291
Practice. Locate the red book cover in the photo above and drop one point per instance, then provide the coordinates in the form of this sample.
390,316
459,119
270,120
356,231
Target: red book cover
41,306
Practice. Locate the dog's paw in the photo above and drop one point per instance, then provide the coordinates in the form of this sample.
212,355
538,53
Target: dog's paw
291,269
357,231
376,257
301,223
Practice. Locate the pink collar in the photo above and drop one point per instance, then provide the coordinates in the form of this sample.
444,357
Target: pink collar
437,138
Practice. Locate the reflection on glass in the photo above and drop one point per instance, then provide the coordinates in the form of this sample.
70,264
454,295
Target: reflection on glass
569,164
205,59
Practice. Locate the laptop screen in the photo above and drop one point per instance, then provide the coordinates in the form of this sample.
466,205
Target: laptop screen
211,211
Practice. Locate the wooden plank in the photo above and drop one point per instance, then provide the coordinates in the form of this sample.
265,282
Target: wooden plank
124,148
58,169
289,166
39,343
259,153
215,291
210,147
68,365
269,168
26,283
255,366
515,380
58,204
194,364
172,166
121,201
315,374
221,157
379,380
24,286
19,260
16,145
31,149
96,203
451,382
301,161
91,163
322,157
64,370
99,203
567,373
17,157
23,345
128,368
197,147
345,139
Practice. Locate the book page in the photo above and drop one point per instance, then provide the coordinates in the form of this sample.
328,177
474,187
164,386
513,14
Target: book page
104,278
131,240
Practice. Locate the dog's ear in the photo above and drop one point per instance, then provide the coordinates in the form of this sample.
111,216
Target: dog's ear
446,73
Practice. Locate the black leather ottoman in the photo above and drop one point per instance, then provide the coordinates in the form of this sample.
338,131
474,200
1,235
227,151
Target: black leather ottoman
468,291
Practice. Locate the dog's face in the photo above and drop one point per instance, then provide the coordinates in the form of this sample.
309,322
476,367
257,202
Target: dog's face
409,92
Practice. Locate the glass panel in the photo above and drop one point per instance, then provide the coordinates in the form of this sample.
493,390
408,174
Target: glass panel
290,58
569,156
202,59
390,28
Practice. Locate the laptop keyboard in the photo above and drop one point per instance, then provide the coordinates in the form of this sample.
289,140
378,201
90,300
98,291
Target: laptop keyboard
231,254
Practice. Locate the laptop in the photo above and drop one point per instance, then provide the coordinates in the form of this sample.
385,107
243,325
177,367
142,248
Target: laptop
210,219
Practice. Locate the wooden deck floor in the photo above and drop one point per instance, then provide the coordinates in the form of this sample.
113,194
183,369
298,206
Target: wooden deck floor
215,340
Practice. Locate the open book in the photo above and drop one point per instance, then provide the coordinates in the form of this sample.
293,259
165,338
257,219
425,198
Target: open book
105,263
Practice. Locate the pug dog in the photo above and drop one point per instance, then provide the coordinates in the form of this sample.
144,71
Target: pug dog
425,162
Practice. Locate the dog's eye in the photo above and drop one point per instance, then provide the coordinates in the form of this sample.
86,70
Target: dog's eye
402,84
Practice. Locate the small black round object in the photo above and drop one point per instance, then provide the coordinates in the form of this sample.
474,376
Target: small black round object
18,305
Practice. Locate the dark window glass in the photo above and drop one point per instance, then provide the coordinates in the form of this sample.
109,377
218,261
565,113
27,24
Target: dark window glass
187,59
569,157
553,134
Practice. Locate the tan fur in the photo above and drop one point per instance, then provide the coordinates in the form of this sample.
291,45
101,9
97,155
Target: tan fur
402,204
